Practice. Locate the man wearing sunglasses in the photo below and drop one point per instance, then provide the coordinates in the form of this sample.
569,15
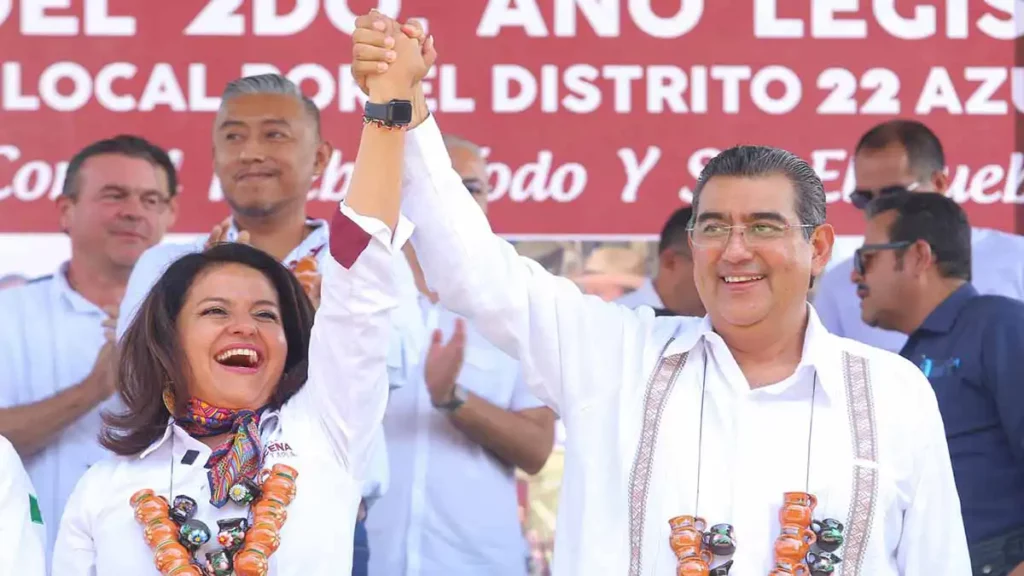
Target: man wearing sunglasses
896,158
913,275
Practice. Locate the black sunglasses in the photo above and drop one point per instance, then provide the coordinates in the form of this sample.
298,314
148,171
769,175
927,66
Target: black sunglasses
858,255
861,198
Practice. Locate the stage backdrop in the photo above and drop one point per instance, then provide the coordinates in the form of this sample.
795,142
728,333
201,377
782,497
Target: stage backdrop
598,114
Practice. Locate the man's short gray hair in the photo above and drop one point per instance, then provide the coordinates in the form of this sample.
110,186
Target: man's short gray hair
270,84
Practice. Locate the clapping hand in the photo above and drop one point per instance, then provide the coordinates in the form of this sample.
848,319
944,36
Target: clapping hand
444,362
220,232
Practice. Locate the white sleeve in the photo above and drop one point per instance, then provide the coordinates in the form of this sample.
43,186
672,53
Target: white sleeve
933,540
22,535
148,269
347,384
559,335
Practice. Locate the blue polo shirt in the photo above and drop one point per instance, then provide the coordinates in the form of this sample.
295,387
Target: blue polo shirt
971,348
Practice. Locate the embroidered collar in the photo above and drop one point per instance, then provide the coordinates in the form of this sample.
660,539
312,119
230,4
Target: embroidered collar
822,352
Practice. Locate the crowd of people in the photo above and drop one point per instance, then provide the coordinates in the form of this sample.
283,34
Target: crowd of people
298,396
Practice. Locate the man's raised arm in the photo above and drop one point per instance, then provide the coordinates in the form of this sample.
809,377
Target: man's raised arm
558,334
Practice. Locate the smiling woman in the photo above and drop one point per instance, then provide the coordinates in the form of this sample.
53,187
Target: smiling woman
244,425
242,323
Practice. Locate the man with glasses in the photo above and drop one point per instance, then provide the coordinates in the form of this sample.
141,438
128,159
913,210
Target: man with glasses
913,275
715,417
900,157
57,353
672,290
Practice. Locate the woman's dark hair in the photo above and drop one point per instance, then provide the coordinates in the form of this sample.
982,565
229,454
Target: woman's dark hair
152,358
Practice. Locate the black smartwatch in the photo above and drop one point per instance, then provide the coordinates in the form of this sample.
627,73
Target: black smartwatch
394,114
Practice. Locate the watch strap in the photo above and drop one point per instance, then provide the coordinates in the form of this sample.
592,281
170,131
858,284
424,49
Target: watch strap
384,114
459,397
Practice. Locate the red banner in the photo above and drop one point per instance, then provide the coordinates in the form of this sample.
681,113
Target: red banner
598,114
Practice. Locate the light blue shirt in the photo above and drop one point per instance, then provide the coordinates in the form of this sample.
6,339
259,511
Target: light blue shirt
997,260
50,336
645,295
154,262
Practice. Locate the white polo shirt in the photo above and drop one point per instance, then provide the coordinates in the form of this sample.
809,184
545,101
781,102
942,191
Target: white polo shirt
22,533
155,261
997,266
452,506
326,432
49,339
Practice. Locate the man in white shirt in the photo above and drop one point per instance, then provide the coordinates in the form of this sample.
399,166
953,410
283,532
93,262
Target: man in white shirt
22,534
457,428
672,288
897,157
267,150
57,360
715,417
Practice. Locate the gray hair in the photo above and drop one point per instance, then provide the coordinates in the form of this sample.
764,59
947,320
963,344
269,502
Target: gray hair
270,84
453,141
761,161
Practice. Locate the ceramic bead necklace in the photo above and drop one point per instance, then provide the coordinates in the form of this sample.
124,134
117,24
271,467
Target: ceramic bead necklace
246,544
804,547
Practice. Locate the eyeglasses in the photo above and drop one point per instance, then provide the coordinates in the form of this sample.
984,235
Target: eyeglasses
861,198
859,260
717,235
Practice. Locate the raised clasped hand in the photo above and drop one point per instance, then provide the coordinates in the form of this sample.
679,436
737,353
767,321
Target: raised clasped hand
389,59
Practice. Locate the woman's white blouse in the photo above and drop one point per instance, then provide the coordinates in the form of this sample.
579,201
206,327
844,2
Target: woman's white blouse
325,432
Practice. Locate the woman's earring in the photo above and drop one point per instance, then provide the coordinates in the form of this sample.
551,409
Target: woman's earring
169,399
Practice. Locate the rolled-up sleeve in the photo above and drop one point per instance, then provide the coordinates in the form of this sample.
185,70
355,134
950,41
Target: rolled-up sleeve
347,385
560,335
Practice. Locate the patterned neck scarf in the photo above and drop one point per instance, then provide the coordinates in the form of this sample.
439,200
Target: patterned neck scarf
239,457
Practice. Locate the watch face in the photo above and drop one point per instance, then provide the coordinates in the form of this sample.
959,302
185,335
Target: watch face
400,112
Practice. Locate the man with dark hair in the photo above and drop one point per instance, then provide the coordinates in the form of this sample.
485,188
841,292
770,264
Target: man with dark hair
899,157
670,418
913,275
672,288
267,151
57,360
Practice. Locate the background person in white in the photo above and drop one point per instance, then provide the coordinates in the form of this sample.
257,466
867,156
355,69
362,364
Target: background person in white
326,407
760,359
892,158
451,507
22,532
267,150
56,338
672,288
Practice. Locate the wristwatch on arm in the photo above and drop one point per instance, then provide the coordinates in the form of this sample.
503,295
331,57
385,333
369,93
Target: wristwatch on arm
459,397
395,114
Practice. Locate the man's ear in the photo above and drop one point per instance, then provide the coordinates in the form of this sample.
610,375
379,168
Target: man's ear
919,257
323,156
